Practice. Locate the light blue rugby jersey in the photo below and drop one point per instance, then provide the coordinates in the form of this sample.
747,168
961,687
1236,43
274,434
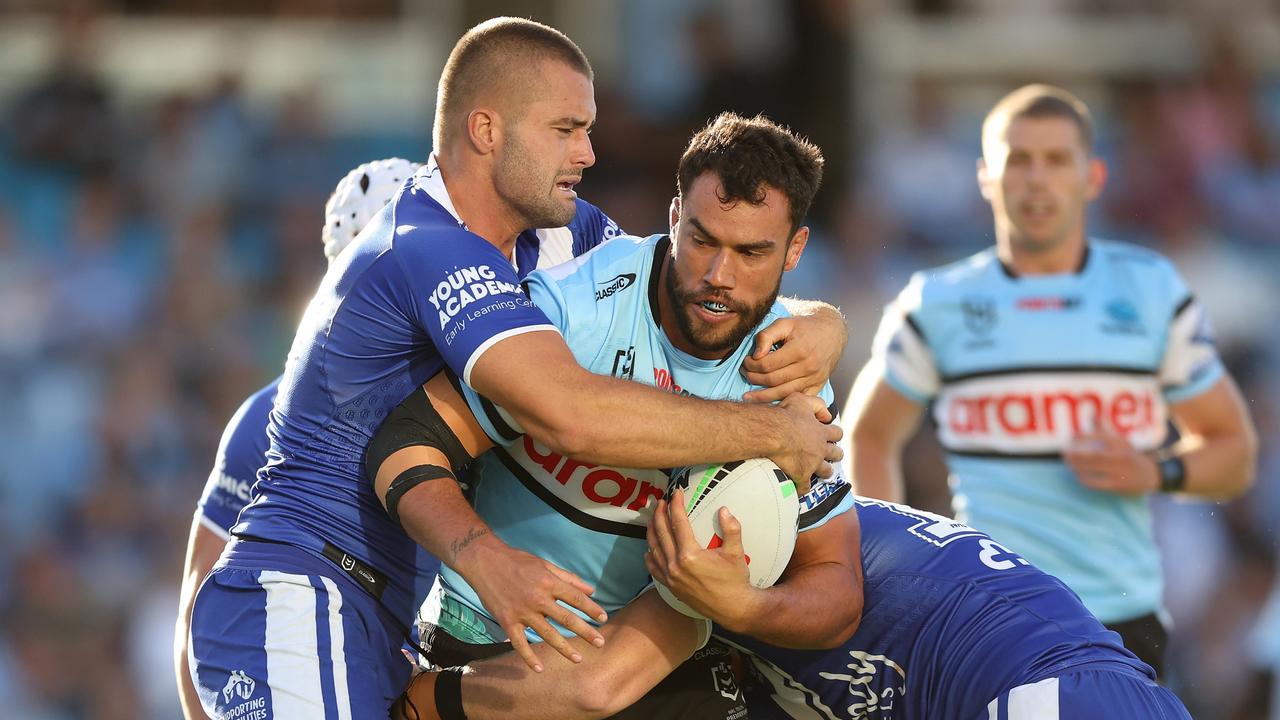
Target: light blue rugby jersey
1014,367
586,518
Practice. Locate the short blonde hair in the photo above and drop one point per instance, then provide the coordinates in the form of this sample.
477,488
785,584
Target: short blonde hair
498,55
1037,101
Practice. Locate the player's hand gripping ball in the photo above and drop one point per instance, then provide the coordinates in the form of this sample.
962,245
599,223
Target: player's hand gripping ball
760,496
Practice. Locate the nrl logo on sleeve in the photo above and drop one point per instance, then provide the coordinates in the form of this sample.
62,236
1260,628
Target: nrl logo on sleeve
609,288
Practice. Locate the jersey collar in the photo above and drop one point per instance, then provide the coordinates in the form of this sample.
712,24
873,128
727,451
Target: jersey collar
660,250
431,181
1084,263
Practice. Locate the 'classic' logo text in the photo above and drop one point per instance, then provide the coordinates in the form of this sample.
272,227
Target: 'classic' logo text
611,287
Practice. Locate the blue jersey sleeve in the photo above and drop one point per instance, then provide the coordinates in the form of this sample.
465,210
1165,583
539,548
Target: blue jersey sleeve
568,298
900,353
590,227
465,293
547,295
241,452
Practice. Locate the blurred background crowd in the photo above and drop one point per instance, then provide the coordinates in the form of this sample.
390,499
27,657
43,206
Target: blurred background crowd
164,165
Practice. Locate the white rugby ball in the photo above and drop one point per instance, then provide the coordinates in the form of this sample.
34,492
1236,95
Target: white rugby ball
760,496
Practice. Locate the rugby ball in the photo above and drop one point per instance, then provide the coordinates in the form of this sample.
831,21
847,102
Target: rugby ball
760,496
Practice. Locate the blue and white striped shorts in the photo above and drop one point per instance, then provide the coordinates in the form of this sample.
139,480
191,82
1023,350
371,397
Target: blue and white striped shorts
277,632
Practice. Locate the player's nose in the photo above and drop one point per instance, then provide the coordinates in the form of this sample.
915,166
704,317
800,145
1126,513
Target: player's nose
584,155
1037,172
720,272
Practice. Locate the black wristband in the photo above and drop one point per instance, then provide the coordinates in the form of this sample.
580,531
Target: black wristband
1173,475
449,694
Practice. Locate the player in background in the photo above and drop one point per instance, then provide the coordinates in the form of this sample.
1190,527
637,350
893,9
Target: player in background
676,312
1054,362
319,579
1264,642
360,195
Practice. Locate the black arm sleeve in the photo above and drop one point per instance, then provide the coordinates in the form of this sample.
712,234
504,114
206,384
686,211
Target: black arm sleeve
414,422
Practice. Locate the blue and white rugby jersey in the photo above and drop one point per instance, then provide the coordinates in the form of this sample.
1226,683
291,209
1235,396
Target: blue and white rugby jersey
590,519
241,452
1014,367
244,443
415,292
950,620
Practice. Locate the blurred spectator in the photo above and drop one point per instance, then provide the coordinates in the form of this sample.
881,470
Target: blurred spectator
1153,191
1235,147
65,120
925,175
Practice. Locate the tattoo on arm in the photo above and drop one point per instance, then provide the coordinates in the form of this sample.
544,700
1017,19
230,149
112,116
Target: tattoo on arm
457,546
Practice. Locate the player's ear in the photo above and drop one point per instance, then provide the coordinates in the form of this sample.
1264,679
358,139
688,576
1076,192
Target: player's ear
1096,180
984,179
483,130
795,248
673,213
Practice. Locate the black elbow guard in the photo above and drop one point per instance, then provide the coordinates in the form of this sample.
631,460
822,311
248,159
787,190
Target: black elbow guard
414,422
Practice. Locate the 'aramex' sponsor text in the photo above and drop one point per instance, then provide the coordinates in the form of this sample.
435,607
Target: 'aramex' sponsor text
602,485
1048,413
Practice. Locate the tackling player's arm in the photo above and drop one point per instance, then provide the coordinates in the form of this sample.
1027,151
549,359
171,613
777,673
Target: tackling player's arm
646,641
605,420
204,547
878,423
426,440
817,603
808,348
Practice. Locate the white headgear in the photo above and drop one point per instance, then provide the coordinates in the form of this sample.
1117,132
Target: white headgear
358,198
